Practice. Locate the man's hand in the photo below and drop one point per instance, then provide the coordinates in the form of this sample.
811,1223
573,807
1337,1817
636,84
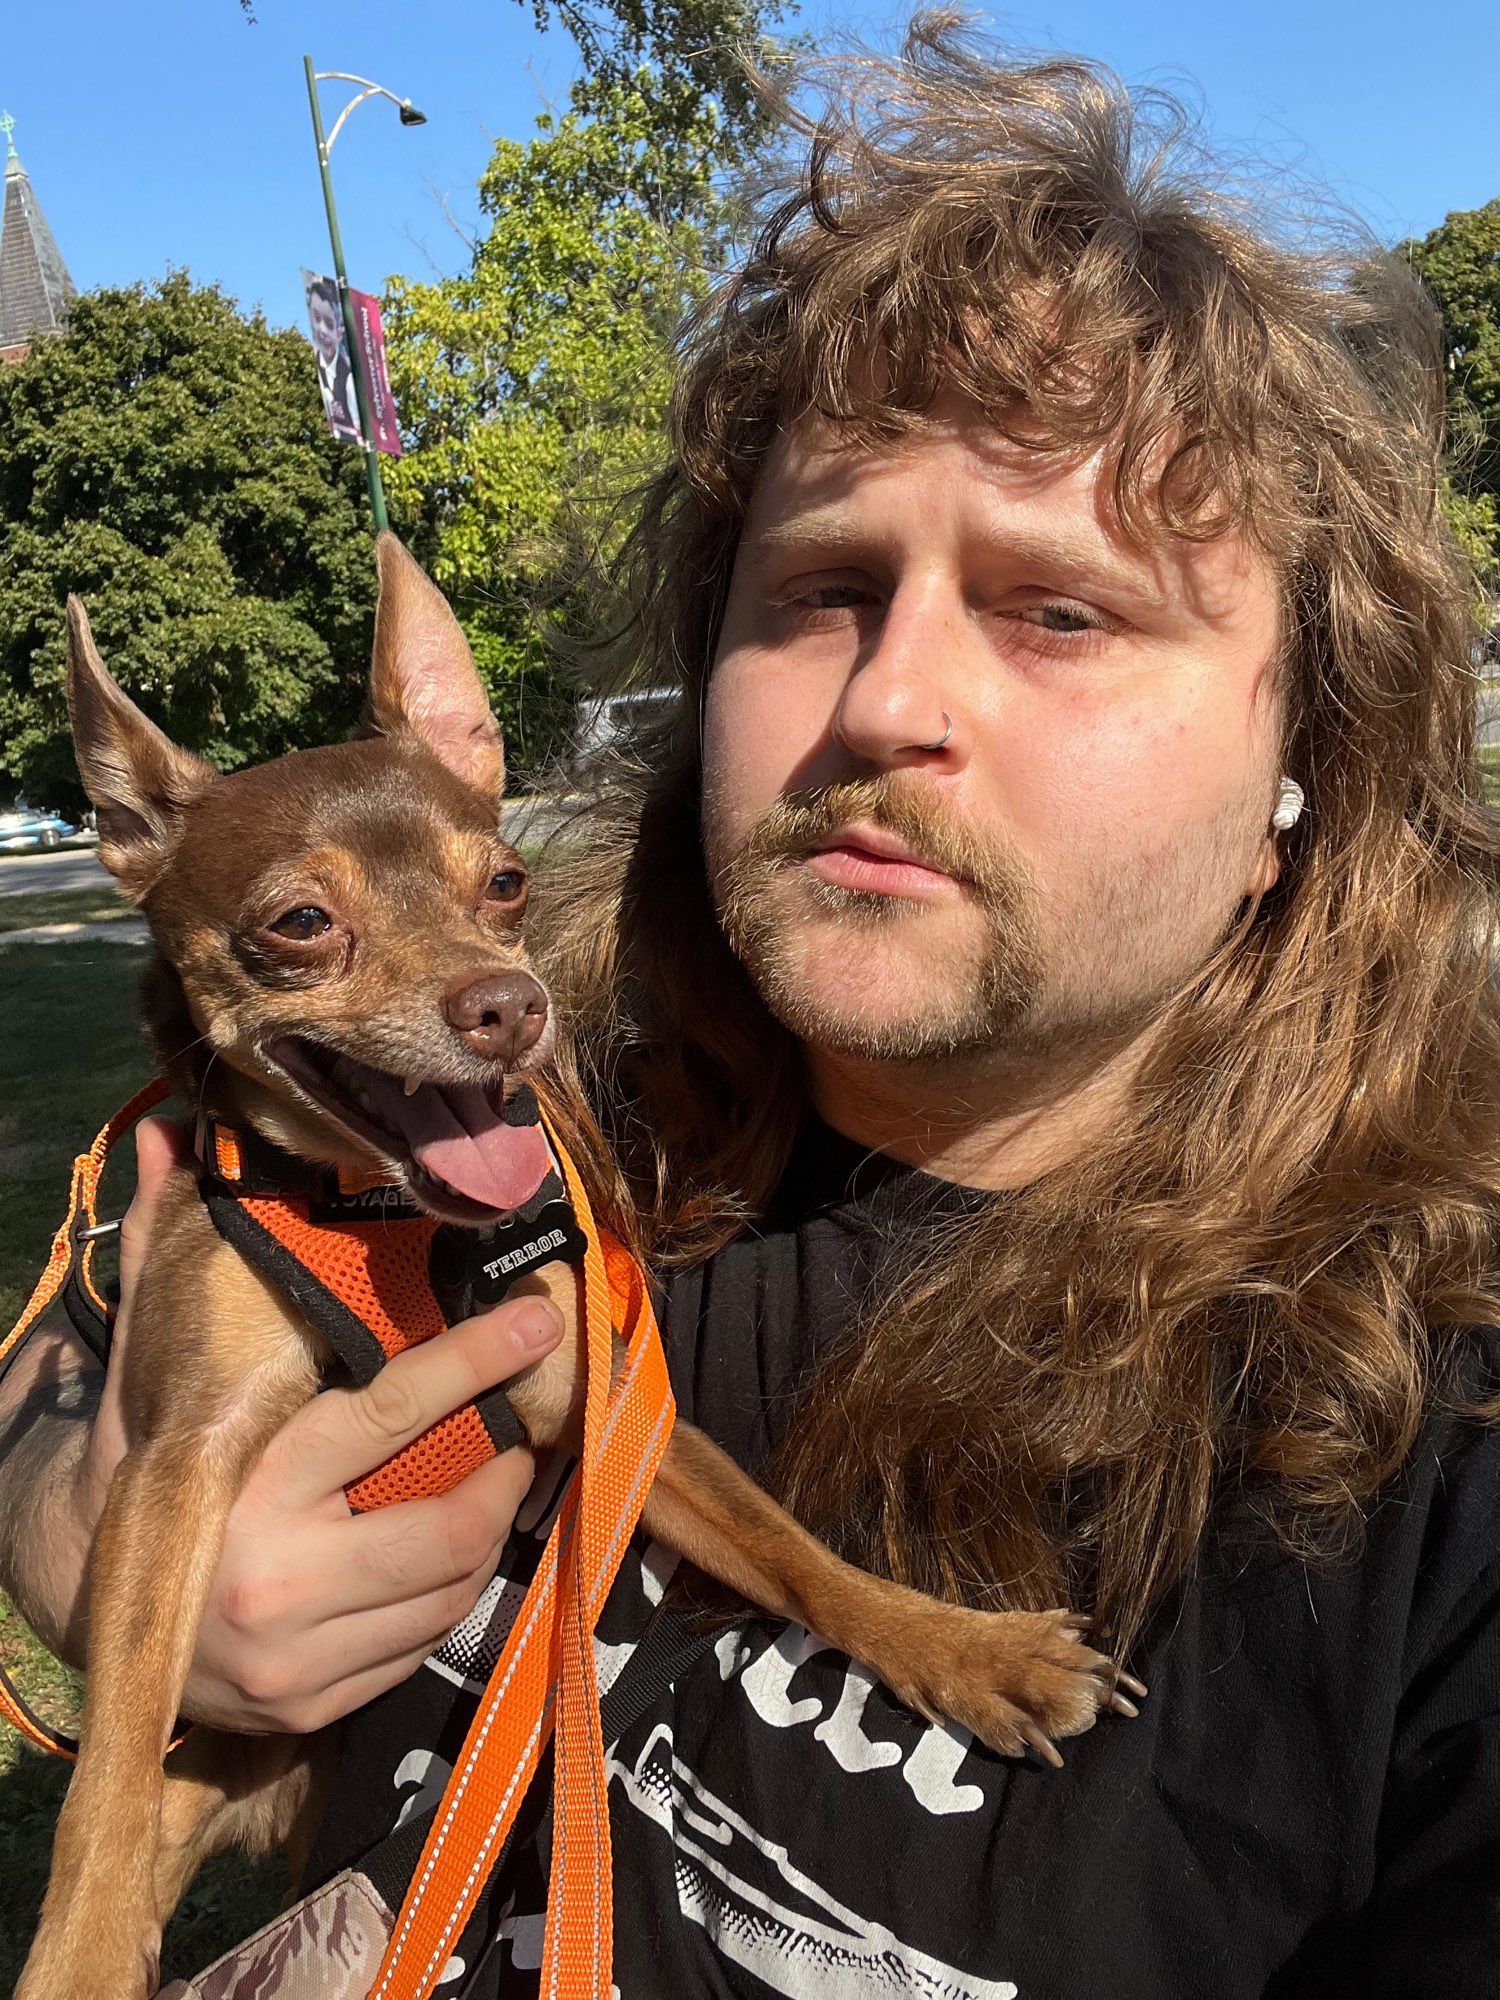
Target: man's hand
314,1610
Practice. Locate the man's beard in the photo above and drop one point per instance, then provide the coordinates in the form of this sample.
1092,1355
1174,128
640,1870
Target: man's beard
974,1000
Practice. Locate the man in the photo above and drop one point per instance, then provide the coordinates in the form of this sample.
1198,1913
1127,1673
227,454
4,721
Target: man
1071,1164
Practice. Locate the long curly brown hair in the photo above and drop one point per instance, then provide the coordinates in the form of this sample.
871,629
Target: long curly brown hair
1265,1279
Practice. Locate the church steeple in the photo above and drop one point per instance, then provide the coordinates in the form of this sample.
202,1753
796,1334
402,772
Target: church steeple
35,286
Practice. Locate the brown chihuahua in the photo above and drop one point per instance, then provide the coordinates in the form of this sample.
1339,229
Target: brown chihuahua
340,970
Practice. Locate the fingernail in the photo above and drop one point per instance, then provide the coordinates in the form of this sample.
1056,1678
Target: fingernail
538,1325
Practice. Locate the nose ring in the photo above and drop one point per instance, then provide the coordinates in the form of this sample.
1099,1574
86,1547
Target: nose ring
947,732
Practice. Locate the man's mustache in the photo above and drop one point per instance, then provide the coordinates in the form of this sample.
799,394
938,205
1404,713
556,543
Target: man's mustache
801,821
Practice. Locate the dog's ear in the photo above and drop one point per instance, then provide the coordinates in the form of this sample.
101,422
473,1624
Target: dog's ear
423,681
139,780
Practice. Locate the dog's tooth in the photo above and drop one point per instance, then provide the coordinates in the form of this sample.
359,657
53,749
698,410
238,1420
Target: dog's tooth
411,1086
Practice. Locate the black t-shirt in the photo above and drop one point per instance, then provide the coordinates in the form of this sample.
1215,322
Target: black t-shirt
1307,1808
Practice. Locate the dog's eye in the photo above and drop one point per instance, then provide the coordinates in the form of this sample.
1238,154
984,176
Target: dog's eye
307,921
506,886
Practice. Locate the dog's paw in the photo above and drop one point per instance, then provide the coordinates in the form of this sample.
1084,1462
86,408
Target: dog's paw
1019,1680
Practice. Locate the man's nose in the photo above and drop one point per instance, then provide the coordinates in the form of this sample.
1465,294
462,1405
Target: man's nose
499,1015
899,701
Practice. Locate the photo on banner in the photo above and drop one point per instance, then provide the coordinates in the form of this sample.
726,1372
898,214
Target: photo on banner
335,375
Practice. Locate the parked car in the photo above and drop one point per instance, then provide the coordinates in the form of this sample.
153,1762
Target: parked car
608,721
26,829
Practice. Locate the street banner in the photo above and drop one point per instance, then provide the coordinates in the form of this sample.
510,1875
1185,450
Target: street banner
335,376
380,405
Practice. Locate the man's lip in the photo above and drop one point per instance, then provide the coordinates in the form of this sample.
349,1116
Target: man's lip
879,845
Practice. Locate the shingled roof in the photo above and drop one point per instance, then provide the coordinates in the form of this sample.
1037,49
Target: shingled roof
35,286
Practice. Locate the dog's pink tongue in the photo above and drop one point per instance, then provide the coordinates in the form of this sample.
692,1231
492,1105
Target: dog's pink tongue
459,1136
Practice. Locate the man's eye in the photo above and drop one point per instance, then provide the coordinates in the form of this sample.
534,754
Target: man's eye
812,600
506,886
306,921
1061,618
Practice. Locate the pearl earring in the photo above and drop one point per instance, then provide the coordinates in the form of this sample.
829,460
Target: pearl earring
1289,803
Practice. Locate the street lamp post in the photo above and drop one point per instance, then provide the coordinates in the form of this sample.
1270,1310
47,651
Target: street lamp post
409,116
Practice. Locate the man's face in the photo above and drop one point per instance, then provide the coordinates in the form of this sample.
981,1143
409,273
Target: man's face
1083,838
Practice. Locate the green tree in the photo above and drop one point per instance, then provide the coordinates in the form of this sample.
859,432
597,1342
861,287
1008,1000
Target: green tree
167,458
682,57
1459,262
534,386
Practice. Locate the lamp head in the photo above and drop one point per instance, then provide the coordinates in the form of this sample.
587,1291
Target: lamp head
409,114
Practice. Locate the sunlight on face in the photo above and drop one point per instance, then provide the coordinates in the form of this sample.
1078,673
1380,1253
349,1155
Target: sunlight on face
1099,810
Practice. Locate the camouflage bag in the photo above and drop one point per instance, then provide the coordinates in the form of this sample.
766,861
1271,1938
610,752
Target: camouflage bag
327,1947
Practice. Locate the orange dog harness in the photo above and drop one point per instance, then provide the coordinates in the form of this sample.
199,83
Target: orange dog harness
363,1265
377,1269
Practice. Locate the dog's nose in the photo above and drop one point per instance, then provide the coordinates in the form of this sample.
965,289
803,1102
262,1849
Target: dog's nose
500,1015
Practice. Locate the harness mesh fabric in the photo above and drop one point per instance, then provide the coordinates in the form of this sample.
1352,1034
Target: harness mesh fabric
380,1273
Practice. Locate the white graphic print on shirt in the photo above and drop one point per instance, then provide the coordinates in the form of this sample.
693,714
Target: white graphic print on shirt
766,1677
723,1867
738,1886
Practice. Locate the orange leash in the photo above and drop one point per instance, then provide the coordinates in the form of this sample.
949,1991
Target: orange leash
545,1677
68,1247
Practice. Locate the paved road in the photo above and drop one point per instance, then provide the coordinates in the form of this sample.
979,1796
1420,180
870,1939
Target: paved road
80,867
67,868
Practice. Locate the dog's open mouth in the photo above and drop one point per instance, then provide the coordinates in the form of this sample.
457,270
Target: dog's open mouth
450,1140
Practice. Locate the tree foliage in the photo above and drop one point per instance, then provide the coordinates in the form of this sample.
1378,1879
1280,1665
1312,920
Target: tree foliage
683,57
1459,262
167,458
536,383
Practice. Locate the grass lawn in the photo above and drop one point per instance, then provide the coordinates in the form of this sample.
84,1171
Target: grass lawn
1489,763
26,907
71,1054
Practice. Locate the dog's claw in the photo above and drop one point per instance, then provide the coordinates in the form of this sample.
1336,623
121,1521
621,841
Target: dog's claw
1018,1680
1042,1744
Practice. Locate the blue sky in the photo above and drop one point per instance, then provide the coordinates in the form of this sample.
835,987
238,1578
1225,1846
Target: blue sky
170,132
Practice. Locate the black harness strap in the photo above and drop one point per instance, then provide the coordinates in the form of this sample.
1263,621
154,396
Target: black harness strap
345,1332
94,1327
497,1414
